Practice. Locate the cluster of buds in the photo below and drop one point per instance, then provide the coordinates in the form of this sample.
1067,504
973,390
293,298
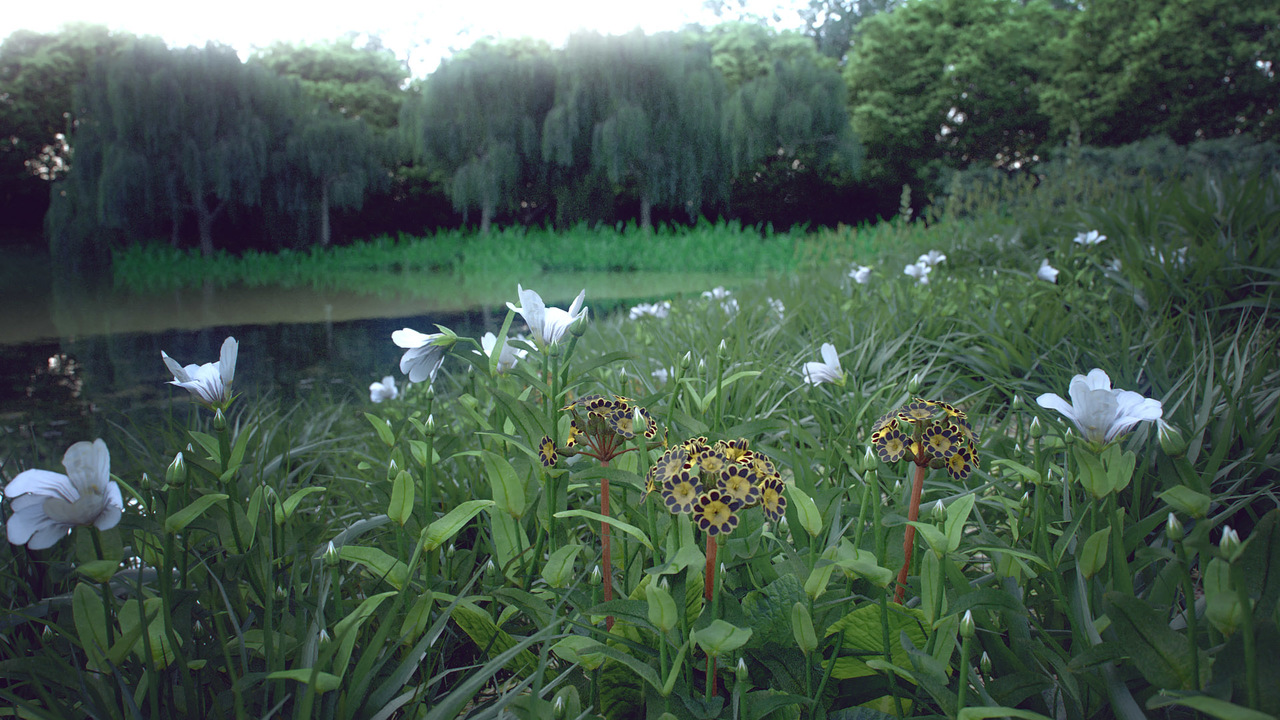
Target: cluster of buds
600,427
930,434
715,481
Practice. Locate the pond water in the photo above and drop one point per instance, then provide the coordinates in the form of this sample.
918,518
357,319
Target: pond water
76,355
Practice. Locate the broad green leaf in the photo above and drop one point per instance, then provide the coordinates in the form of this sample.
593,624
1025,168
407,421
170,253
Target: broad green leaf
99,571
162,653
1208,705
862,563
770,611
662,608
348,630
379,563
720,637
627,528
1186,501
580,649
1091,473
806,510
1260,562
1158,652
957,516
324,682
1222,604
508,491
400,509
802,628
933,537
290,505
558,572
984,712
179,521
862,634
446,527
415,621
91,624
477,624
209,443
1093,553
381,427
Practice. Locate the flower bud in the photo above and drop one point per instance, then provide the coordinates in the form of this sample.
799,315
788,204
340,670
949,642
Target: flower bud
967,628
449,551
1173,528
1229,545
984,663
219,420
1037,430
686,360
430,393
597,576
557,706
868,460
324,636
1171,440
1025,502
740,670
579,327
639,423
722,350
429,427
1016,403
176,474
145,483
939,513
331,555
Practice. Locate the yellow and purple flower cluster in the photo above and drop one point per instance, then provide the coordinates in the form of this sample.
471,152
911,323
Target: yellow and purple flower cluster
599,426
929,433
715,481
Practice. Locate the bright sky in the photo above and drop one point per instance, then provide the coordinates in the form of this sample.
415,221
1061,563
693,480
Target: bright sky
423,30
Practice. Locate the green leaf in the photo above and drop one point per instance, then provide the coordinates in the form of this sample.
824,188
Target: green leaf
558,572
91,624
1260,563
446,527
933,537
378,562
662,608
957,516
1209,706
131,613
348,629
400,509
381,427
99,571
806,511
508,491
1158,652
477,624
1186,501
322,681
627,528
862,635
290,505
1093,553
720,637
579,649
802,627
770,611
210,445
983,712
179,521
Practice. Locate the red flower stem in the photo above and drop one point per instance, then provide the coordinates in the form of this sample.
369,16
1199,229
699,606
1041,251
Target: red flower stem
605,545
708,595
908,542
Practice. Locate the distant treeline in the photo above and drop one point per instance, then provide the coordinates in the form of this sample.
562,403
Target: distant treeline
114,139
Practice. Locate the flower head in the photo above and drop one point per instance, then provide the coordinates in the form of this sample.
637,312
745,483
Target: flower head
679,492
777,307
728,303
46,505
1047,272
210,383
860,274
658,310
920,271
933,257
1093,237
713,512
828,370
772,502
1100,413
425,353
547,324
510,354
385,390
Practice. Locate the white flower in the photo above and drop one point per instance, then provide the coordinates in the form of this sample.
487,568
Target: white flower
828,370
1090,238
933,257
46,505
1115,265
510,353
658,310
1047,271
661,374
728,303
385,390
425,354
209,383
547,325
1100,413
777,307
1177,257
920,271
860,274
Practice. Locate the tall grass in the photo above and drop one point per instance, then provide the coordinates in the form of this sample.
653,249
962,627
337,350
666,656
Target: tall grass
1056,580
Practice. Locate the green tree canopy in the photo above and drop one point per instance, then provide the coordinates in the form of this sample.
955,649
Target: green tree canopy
641,112
1130,69
948,83
478,119
356,80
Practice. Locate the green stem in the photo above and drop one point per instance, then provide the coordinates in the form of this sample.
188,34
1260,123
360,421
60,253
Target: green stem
1246,632
1120,575
1188,593
966,652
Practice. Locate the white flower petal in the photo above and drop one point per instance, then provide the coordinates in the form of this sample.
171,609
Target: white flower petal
227,360
110,516
409,338
41,482
179,373
88,465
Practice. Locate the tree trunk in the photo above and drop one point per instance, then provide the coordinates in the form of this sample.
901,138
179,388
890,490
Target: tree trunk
646,214
325,232
204,222
486,218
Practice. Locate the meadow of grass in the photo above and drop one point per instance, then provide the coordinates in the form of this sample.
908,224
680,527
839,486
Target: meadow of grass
419,558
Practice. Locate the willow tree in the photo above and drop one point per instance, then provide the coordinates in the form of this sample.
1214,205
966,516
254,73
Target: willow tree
329,162
641,112
169,134
478,120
